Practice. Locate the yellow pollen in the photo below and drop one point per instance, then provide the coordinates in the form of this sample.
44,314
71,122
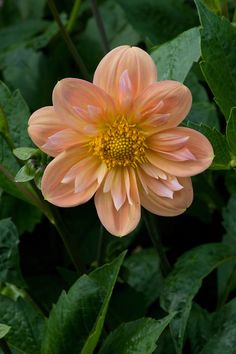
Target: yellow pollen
121,144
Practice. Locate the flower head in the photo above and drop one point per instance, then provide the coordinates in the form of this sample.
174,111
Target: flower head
117,138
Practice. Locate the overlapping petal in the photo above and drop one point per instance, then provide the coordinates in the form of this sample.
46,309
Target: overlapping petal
180,151
82,105
162,105
119,221
125,71
162,206
61,191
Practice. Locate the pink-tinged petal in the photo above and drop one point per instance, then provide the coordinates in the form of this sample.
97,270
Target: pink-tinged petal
79,103
42,124
118,191
165,206
163,98
125,69
195,157
63,193
118,222
62,140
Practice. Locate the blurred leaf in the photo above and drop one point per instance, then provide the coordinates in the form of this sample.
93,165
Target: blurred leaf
223,337
142,272
31,8
218,40
24,153
82,310
231,131
137,337
24,174
23,215
154,16
9,256
222,159
169,58
185,280
118,31
26,325
4,329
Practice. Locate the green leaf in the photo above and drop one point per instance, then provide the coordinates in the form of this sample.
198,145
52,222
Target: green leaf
169,58
222,159
24,174
26,325
24,153
76,321
185,280
136,337
154,16
9,256
218,40
4,329
142,272
231,131
223,337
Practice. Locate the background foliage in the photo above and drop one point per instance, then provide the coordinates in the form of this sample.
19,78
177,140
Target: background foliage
125,303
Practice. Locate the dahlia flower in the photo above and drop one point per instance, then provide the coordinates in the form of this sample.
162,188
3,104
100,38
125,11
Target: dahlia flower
117,138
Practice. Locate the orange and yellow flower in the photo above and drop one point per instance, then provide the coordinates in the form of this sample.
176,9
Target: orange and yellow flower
117,138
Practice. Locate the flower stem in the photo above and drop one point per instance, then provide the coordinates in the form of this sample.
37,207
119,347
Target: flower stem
68,41
155,238
73,16
100,26
5,347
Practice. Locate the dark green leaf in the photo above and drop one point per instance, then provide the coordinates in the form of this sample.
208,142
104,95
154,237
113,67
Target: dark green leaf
26,325
223,337
142,272
231,131
4,329
154,16
169,58
222,160
9,256
137,337
76,321
185,280
218,40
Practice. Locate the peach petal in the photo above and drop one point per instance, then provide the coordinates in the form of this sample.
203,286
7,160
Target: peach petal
118,222
168,207
138,64
44,123
88,175
78,102
63,194
153,171
118,192
125,91
197,144
164,97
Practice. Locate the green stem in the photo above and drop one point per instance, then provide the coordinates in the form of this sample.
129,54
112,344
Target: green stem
5,347
63,232
70,45
227,289
155,238
73,16
100,26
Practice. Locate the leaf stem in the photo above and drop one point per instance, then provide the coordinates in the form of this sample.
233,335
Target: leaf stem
155,238
100,26
70,45
5,347
73,15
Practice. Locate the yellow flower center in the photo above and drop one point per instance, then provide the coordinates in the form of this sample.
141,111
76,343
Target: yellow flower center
121,144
